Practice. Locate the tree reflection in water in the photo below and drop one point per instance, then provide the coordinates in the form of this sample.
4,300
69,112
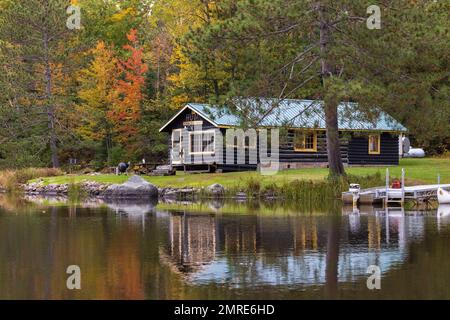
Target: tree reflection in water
138,251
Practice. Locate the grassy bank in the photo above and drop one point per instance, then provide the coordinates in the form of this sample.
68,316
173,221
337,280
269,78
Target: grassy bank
11,179
417,171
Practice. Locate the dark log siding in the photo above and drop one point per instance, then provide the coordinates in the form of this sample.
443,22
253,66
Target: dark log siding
354,148
288,153
359,150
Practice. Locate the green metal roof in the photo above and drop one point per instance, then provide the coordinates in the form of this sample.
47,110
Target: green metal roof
299,114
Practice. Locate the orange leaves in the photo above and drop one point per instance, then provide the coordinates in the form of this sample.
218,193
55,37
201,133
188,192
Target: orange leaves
126,109
111,90
132,36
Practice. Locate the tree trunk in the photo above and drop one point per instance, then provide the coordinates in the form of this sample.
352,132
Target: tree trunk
108,141
50,107
331,115
333,144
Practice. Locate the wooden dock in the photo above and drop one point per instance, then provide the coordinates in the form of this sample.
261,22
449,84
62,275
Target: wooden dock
420,193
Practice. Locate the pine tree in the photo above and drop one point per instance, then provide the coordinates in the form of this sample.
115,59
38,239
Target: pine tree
316,49
41,43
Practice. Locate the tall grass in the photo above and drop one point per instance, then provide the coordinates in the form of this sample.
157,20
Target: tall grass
10,180
306,191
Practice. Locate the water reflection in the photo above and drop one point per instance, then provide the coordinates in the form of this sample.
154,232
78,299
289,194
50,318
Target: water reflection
314,250
132,208
137,251
443,215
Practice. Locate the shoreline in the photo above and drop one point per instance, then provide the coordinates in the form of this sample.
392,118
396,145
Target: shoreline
96,190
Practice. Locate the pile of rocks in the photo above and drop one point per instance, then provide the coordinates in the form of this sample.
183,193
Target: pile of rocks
50,189
178,193
135,188
93,188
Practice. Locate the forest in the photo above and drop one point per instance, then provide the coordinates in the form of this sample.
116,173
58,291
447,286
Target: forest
94,80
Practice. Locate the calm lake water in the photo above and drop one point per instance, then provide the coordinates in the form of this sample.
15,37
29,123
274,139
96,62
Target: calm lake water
216,251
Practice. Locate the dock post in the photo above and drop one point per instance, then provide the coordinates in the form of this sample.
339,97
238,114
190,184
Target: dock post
386,215
403,186
387,187
439,179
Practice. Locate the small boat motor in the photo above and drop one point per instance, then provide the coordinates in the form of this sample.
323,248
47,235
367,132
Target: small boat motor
355,188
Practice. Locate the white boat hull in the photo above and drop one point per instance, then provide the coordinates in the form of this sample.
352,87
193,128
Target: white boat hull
443,196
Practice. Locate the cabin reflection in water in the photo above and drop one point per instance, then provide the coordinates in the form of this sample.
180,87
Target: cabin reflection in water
192,240
246,250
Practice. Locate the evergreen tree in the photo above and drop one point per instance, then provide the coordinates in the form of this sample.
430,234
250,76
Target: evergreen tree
41,43
319,49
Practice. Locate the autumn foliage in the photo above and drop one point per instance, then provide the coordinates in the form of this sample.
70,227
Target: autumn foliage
125,111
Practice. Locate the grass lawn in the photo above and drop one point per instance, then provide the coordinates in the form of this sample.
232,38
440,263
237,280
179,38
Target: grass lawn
417,171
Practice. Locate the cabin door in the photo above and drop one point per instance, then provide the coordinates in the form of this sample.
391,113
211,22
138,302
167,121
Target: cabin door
177,147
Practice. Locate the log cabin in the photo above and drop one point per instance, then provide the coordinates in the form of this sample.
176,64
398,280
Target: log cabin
200,139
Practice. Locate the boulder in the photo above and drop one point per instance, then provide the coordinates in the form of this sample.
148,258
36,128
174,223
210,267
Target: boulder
216,189
135,187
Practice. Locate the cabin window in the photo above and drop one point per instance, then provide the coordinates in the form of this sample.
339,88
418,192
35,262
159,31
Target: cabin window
201,142
176,139
305,140
374,144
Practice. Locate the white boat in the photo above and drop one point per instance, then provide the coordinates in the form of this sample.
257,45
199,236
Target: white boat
443,196
354,188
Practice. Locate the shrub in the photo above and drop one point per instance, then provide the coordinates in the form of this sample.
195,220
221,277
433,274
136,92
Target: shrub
253,186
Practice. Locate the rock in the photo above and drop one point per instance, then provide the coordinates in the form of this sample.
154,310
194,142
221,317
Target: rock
216,189
241,195
135,187
94,188
168,193
52,189
165,170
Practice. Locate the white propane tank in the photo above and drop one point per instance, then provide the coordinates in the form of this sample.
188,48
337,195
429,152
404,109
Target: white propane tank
415,153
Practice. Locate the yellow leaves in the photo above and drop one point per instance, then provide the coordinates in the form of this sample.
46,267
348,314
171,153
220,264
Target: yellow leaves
111,93
179,101
123,14
96,91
